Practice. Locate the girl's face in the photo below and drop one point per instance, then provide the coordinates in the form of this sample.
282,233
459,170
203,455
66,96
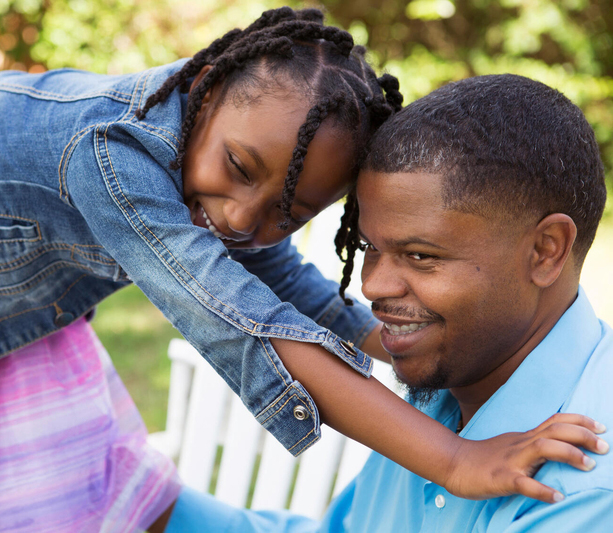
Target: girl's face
236,163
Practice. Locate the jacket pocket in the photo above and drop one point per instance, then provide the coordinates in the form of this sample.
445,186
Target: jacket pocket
18,229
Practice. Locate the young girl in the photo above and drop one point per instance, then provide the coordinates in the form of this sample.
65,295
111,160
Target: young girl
183,179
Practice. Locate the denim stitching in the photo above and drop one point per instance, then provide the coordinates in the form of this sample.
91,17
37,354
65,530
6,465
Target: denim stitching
27,220
44,306
90,256
289,399
272,362
39,277
303,438
65,159
46,95
308,445
25,259
141,125
63,166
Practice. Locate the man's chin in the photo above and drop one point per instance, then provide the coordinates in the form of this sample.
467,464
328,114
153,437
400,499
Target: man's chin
426,390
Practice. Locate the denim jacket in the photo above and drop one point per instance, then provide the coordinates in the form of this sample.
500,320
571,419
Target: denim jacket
88,204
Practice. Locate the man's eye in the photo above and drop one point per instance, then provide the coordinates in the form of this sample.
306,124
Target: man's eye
238,167
420,257
366,246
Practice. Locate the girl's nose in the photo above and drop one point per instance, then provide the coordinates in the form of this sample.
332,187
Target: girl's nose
242,218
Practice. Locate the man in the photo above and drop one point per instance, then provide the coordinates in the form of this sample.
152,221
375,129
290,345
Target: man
478,204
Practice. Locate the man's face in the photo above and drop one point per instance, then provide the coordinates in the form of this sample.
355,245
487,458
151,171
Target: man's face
452,288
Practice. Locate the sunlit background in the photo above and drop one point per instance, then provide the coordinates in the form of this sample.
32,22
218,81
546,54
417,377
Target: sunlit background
567,44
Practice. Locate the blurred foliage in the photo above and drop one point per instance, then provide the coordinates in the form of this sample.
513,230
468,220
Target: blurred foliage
425,43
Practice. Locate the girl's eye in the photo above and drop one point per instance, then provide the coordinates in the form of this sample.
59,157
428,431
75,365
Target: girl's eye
238,167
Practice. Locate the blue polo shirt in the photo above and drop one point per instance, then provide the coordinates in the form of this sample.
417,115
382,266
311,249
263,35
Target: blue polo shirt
571,370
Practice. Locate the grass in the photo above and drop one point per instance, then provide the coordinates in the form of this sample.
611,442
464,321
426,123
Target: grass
136,334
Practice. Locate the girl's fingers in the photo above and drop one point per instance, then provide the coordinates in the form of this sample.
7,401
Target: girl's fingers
533,489
577,420
542,450
576,435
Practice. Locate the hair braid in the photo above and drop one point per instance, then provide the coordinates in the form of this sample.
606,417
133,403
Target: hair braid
319,60
307,131
281,45
348,239
390,85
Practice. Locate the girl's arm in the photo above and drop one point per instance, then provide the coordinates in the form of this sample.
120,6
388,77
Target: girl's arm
365,410
135,209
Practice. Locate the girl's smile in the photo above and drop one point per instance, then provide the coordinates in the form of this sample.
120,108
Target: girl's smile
237,160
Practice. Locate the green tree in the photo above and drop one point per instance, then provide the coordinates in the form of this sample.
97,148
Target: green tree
425,43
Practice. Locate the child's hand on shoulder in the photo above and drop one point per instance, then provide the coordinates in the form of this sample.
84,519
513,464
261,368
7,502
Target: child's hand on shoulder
505,464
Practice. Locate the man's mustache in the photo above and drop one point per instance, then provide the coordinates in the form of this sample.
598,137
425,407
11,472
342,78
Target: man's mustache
405,311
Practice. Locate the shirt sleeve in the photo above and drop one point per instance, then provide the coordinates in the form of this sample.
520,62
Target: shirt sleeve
134,207
282,269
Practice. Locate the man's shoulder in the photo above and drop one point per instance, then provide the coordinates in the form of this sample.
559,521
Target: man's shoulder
592,396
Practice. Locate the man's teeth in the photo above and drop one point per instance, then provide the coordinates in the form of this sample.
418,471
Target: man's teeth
394,329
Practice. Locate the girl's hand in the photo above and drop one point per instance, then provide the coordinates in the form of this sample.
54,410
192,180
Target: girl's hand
504,465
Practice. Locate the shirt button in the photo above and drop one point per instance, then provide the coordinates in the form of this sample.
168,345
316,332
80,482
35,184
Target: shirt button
439,501
301,412
63,319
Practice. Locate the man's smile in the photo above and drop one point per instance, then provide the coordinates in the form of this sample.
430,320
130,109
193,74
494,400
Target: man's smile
395,329
399,335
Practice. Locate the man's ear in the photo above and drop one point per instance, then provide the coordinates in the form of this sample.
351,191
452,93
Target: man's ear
554,238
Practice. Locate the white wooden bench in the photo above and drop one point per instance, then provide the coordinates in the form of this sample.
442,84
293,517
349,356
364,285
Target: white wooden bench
205,416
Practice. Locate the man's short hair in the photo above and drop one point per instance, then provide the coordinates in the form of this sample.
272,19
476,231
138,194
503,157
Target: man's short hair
506,145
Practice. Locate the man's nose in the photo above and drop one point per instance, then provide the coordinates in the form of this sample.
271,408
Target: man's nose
383,278
242,216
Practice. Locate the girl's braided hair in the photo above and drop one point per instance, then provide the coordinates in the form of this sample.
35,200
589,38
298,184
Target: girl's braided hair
323,62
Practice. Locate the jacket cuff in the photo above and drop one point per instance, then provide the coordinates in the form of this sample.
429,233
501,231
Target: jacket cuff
347,351
292,419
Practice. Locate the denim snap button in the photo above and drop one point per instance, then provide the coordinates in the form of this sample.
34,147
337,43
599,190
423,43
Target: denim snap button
301,412
63,319
348,348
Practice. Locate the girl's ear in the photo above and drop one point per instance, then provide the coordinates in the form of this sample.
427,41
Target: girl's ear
553,242
198,79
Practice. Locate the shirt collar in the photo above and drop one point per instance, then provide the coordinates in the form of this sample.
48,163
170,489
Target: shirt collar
544,380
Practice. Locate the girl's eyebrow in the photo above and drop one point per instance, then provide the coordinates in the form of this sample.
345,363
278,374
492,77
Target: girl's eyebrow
253,152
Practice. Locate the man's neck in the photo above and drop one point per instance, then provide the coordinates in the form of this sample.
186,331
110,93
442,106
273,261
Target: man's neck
472,397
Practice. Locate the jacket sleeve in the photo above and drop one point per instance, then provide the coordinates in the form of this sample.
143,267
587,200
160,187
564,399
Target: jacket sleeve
282,269
134,207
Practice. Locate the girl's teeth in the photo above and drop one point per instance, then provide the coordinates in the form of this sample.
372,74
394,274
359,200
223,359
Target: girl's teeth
209,224
405,329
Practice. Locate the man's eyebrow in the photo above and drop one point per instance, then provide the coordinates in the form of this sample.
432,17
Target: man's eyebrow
253,152
401,243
